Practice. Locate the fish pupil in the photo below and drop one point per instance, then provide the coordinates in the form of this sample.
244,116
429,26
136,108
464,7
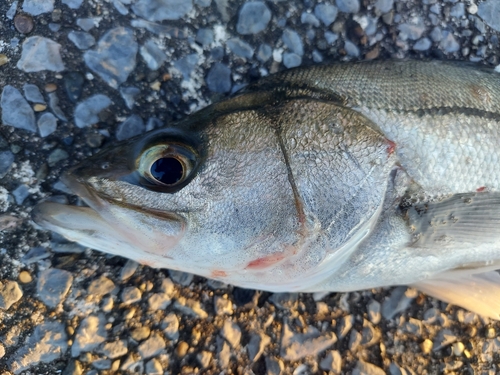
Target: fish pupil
167,170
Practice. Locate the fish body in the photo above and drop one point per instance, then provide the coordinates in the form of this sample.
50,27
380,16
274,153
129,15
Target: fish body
328,178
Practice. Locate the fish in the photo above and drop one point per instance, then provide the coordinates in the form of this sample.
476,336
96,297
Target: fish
329,178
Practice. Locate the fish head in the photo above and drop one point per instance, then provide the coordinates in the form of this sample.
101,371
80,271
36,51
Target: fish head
265,196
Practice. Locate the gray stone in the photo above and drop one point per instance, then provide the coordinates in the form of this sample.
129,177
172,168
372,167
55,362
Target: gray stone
114,349
345,326
122,9
331,37
374,312
205,37
186,65
240,48
6,160
37,7
73,368
317,56
412,31
152,346
170,326
295,346
91,333
47,343
293,41
354,340
422,44
102,364
365,368
158,29
264,52
326,13
218,78
274,366
159,301
291,60
86,24
449,44
204,358
384,6
231,332
115,56
52,286
16,111
21,193
489,11
309,19
39,54
47,124
101,286
458,10
348,6
129,95
444,338
154,367
130,128
399,300
54,106
86,112
190,307
223,306
284,301
436,34
128,270
160,10
12,10
203,3
10,293
256,346
73,4
56,156
35,254
153,55
131,295
223,352
32,93
351,49
332,362
81,39
253,18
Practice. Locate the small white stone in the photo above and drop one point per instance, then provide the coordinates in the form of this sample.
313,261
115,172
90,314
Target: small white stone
472,9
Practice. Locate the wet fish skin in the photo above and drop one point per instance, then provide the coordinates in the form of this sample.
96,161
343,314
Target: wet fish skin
329,178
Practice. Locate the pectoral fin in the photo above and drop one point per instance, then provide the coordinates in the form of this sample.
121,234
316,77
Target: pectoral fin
476,292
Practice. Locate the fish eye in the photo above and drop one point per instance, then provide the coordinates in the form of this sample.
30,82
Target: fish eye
166,165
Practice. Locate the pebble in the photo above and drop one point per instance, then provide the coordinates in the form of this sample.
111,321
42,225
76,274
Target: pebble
39,54
203,3
114,349
131,295
365,368
186,65
160,10
152,346
331,37
6,160
2,351
205,37
16,111
86,24
35,254
10,293
122,9
182,349
47,343
489,11
291,60
54,106
284,301
449,44
204,358
115,56
348,6
231,332
436,34
12,10
274,366
264,52
254,16
384,6
131,127
133,364
32,93
153,55
374,312
412,31
25,277
91,333
52,286
170,326
56,156
154,367
73,85
444,338
140,333
332,362
354,340
293,41
73,4
224,352
47,124
458,10
128,270
81,39
326,13
102,364
399,300
309,19
181,278
101,286
37,7
3,59
129,95
256,346
190,307
345,326
159,301
422,44
295,346
351,49
86,112
223,306
218,78
21,193
240,48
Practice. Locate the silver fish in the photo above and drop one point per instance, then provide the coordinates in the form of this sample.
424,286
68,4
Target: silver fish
328,178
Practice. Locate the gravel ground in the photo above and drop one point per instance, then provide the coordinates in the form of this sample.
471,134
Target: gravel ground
76,75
